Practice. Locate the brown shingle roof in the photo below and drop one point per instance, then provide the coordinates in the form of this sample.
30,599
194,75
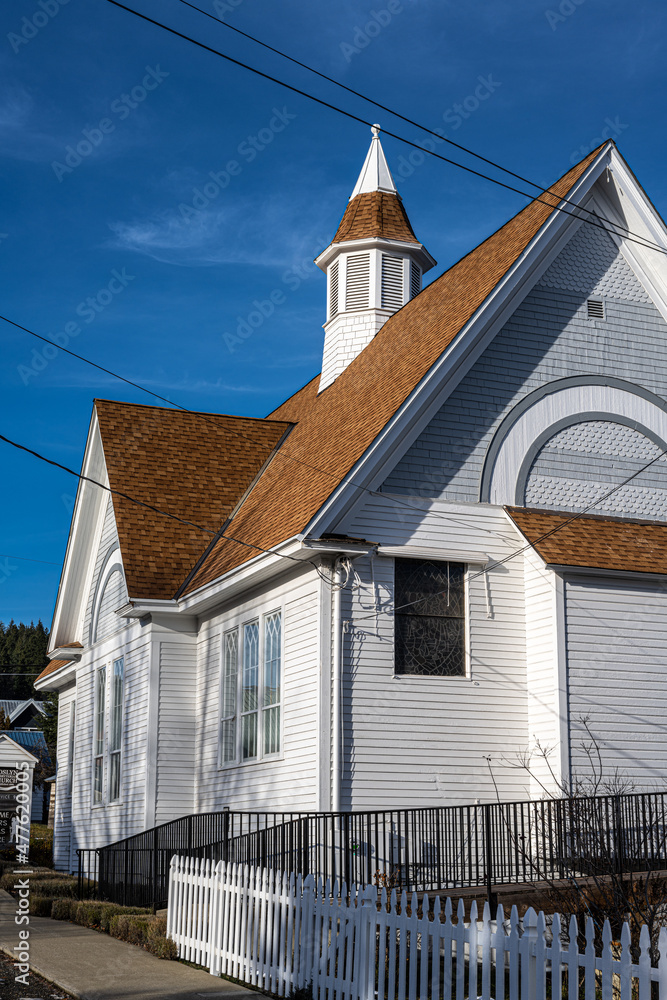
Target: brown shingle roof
53,666
375,213
595,542
192,465
335,428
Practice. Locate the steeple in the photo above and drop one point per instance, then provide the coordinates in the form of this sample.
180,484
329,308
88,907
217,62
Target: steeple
374,265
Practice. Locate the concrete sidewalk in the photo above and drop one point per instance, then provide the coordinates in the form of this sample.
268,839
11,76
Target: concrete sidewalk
94,966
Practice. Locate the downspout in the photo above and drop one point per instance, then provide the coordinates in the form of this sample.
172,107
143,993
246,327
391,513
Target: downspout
336,674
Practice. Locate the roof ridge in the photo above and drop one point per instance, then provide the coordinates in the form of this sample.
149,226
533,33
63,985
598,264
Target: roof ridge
181,410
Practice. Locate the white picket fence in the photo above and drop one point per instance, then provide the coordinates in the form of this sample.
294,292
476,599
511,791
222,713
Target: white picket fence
280,933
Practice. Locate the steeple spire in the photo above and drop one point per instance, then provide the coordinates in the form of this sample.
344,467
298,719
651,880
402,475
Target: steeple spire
374,265
375,174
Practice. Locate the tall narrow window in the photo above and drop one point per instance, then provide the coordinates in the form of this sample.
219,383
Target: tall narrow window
98,733
429,621
228,707
70,747
115,729
250,691
272,683
333,289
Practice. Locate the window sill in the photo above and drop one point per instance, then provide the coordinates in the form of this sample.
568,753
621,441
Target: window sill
268,759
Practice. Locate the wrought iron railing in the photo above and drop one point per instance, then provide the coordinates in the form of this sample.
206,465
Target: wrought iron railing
430,849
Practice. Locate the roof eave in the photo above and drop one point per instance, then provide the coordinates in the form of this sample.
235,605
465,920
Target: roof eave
416,249
58,679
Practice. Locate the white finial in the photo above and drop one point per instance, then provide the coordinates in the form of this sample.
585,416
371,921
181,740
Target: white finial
375,129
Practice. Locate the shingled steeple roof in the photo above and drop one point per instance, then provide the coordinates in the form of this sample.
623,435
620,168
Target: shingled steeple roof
375,208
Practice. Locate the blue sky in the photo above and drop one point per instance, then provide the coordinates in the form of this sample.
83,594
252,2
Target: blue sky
132,252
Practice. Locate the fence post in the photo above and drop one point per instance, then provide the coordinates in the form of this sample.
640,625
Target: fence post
618,824
488,858
366,925
154,899
528,956
80,873
225,834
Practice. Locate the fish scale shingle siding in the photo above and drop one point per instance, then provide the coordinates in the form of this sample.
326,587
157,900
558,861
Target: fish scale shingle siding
549,337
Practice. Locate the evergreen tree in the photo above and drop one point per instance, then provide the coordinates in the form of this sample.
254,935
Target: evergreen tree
22,652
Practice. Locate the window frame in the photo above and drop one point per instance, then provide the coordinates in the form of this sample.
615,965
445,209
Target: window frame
238,626
116,752
99,733
466,674
105,756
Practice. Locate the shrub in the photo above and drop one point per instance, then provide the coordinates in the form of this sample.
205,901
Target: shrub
54,887
147,931
98,915
40,906
41,845
63,908
43,883
158,943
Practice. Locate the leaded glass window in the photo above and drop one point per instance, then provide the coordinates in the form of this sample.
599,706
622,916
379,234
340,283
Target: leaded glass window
251,690
429,620
228,708
272,664
98,730
116,729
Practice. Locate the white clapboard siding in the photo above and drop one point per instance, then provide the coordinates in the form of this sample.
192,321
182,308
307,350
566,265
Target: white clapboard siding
107,542
617,662
281,934
97,825
413,741
62,832
176,729
288,782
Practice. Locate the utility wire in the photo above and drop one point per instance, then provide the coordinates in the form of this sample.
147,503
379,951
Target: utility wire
3,555
540,538
141,503
282,453
641,241
396,114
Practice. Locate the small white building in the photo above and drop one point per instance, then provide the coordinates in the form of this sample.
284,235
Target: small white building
359,600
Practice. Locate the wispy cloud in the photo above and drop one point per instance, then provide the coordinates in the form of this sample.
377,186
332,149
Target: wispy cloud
15,108
241,232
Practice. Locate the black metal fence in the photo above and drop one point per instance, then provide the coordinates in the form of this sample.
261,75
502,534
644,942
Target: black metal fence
426,849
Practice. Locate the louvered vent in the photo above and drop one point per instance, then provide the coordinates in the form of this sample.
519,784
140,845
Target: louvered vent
357,281
392,282
333,290
595,309
415,279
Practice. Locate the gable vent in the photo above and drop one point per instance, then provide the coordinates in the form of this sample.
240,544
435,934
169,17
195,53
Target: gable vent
595,308
415,279
392,282
333,289
357,281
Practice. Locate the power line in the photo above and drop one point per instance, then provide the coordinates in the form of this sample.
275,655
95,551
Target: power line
3,555
540,538
396,114
218,534
282,453
641,241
